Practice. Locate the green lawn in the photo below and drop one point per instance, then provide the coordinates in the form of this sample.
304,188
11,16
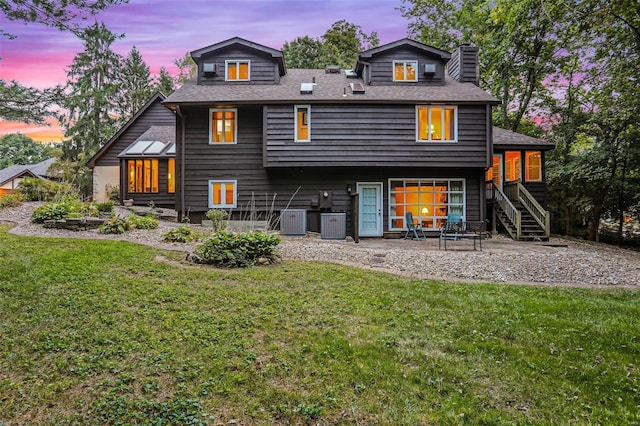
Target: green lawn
100,332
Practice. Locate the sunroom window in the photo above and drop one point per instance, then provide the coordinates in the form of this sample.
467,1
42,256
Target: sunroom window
512,166
142,176
223,193
436,123
171,175
428,200
533,166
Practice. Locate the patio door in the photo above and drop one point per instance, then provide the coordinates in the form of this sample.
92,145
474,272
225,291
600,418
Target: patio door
370,217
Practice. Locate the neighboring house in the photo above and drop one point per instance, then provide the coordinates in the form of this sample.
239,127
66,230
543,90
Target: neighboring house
407,130
11,176
140,158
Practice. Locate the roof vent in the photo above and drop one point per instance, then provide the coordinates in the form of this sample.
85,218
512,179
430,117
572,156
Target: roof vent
350,74
209,69
332,69
306,88
429,69
357,88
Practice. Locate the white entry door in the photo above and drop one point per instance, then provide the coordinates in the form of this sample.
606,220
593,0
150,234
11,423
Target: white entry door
370,217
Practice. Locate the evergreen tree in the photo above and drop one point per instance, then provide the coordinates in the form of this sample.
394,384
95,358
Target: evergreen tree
134,85
164,82
92,94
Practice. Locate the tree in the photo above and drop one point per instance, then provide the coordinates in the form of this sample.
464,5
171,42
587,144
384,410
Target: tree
164,82
26,104
339,45
16,148
187,69
134,85
60,14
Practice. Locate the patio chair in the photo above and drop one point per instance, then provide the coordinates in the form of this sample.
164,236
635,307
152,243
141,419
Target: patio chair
412,228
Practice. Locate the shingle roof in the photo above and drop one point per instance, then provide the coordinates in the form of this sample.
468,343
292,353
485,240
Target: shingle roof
276,54
164,134
507,138
42,168
328,88
13,172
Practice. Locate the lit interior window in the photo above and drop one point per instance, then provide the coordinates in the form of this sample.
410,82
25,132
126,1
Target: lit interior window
142,176
223,126
436,124
171,175
533,166
237,70
512,166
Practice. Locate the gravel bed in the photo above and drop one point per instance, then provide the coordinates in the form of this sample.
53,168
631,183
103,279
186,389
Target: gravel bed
561,261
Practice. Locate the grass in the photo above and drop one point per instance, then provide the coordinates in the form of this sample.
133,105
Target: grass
103,332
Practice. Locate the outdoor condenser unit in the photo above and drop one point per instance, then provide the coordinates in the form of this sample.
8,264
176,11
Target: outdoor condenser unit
429,68
333,226
293,222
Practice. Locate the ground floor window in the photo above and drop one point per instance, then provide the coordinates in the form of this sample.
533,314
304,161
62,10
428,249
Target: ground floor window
223,193
142,175
429,200
171,176
512,166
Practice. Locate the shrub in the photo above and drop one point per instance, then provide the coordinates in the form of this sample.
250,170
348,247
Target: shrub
106,207
35,189
117,225
146,222
237,250
11,200
113,193
50,211
181,234
217,217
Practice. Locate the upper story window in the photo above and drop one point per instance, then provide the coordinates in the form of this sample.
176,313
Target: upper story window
405,70
437,123
512,166
303,123
223,125
533,166
237,70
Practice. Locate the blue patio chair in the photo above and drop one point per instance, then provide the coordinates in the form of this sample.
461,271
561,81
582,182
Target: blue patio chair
412,228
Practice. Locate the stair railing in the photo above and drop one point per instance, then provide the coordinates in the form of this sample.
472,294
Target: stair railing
510,211
540,215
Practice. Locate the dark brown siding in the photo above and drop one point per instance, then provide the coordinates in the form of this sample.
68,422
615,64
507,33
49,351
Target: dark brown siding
263,68
463,65
265,190
161,198
155,115
371,135
538,190
382,68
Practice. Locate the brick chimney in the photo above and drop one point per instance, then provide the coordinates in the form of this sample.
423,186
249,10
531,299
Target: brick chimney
464,65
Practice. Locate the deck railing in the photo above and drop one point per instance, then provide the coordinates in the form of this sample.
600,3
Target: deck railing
517,192
510,211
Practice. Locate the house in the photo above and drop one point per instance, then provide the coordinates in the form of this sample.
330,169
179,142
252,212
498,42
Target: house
139,159
11,176
406,130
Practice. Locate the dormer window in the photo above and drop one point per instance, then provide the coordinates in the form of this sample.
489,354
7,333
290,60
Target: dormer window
237,70
405,70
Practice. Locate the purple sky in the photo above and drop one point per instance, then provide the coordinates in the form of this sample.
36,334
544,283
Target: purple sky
163,30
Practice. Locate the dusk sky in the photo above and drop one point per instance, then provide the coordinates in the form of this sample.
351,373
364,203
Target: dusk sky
163,30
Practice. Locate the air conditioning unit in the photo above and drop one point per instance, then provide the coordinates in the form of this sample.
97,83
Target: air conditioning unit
293,222
209,69
429,69
333,226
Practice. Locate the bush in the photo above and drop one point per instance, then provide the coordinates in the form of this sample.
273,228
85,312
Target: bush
181,234
217,217
237,250
113,193
117,225
50,211
106,207
147,222
11,200
35,189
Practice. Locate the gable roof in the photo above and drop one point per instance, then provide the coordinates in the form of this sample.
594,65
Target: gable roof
274,53
42,168
105,147
503,138
327,88
425,48
14,172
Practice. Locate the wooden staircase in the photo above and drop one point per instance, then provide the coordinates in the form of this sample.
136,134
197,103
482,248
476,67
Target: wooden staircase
520,214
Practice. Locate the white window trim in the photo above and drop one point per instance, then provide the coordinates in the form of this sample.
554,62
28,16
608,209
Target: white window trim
223,205
237,62
295,123
415,64
428,107
448,180
235,125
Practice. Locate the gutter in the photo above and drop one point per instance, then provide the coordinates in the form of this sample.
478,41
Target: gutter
183,122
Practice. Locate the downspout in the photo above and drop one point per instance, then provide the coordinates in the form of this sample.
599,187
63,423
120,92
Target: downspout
183,122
